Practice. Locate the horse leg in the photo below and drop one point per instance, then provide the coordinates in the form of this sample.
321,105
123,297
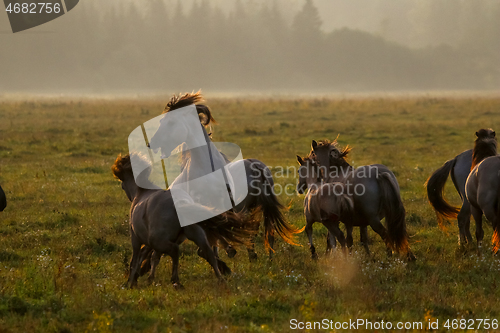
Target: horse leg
174,254
464,223
363,234
145,259
252,255
155,260
270,240
333,227
478,217
379,228
134,262
309,232
331,242
196,234
349,239
215,248
231,251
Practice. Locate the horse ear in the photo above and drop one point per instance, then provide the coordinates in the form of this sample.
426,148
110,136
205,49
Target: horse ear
300,160
314,144
493,133
477,134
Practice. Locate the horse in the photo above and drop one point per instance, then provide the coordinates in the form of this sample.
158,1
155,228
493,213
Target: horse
322,203
259,182
482,190
375,193
154,224
459,168
336,176
3,200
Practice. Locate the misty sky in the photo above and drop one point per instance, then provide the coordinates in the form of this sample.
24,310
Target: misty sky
257,45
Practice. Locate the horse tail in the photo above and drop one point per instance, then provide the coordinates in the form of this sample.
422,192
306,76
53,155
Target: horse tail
495,240
229,227
435,193
394,212
274,220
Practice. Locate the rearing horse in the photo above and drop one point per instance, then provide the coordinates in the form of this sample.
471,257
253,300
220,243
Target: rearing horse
249,181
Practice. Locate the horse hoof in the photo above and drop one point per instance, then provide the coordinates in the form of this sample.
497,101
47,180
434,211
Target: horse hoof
231,253
178,286
411,257
223,268
314,256
252,256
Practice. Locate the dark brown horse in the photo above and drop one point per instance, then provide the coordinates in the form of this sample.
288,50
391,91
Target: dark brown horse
459,169
375,194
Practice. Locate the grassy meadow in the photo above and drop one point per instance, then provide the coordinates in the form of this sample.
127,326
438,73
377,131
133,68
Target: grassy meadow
65,244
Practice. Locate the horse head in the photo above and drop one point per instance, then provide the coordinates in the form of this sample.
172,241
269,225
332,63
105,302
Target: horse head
329,156
309,173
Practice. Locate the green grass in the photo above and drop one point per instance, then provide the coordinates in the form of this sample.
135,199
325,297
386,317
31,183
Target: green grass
65,243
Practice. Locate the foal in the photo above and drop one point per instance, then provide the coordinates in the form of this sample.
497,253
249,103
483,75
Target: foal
324,202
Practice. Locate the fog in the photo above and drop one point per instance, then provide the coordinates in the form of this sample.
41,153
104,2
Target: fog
240,46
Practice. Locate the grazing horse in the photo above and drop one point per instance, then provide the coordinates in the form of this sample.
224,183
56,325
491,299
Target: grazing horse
375,194
3,200
459,169
259,183
483,193
154,224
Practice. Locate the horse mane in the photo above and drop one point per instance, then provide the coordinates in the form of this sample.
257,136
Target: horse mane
310,157
123,166
182,100
344,152
484,146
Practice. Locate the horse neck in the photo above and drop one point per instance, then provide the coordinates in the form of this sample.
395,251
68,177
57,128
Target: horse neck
339,170
341,163
313,184
483,149
139,192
